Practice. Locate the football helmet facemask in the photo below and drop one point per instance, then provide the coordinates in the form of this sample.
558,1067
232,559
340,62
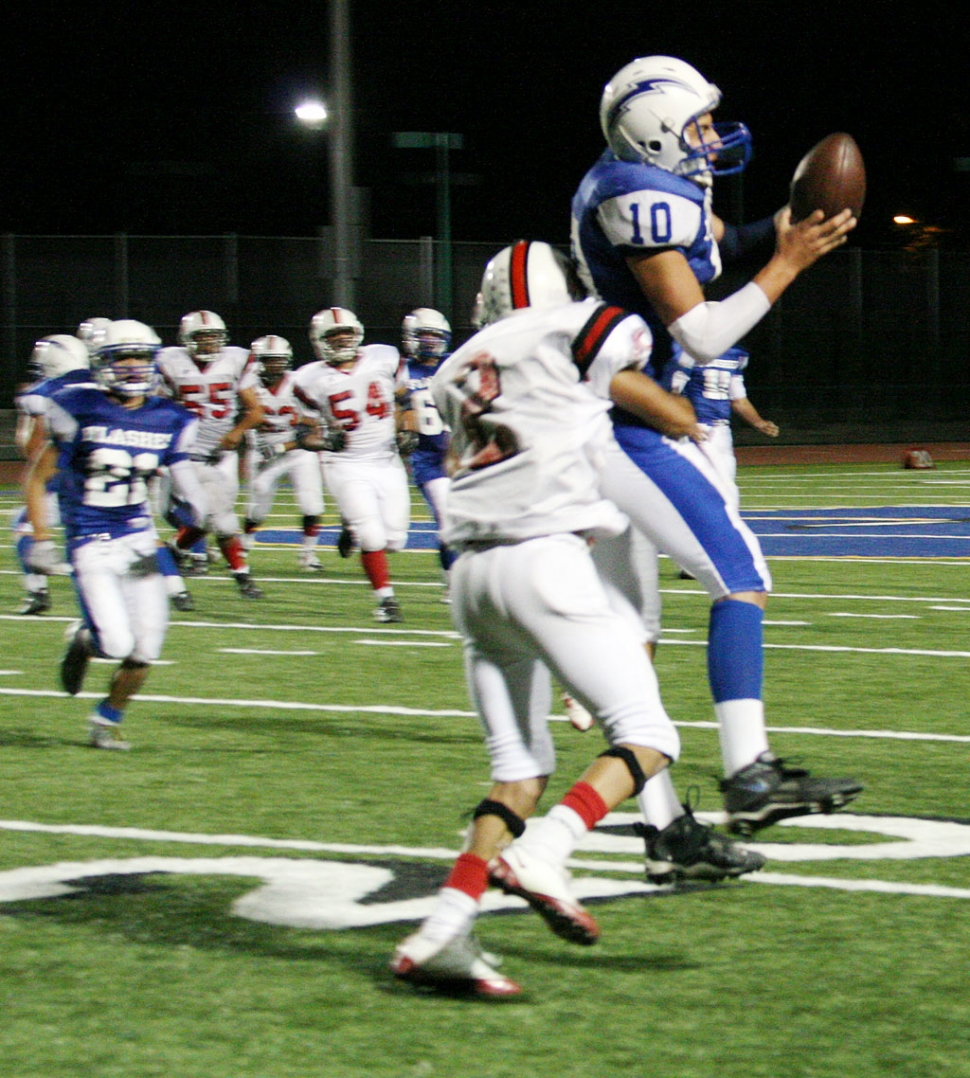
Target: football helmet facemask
273,357
56,355
336,334
650,110
203,335
124,362
425,334
527,274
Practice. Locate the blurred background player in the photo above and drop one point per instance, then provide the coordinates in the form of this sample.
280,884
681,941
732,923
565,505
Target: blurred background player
217,383
106,441
645,238
91,331
528,442
57,361
362,390
271,456
426,342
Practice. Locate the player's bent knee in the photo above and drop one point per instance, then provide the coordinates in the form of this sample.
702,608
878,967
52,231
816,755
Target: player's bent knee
628,756
512,820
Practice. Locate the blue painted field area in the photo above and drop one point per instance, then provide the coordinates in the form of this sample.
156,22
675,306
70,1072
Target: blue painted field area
896,532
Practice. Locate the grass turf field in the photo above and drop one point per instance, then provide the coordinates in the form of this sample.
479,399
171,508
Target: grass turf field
223,900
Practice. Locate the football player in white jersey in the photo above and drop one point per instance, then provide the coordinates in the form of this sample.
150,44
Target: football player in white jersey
106,441
271,454
528,443
362,390
644,237
216,382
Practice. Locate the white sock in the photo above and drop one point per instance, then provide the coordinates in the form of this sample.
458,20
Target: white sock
553,837
658,800
453,916
742,730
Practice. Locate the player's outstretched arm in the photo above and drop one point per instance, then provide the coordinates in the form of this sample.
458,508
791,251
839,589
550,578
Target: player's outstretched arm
639,394
744,409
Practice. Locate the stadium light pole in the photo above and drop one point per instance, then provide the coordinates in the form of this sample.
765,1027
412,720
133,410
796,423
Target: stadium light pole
338,119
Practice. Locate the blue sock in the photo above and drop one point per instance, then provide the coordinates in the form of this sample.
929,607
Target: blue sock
735,651
166,562
22,546
112,714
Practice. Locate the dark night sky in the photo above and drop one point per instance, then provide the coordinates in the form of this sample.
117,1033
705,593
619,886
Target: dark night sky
181,121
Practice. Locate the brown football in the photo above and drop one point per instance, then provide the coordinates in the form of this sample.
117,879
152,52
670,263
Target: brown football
831,177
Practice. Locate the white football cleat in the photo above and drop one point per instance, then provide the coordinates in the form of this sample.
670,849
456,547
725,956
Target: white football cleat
310,562
102,735
545,887
576,713
459,965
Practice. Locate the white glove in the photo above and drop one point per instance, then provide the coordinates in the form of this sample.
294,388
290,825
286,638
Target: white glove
44,558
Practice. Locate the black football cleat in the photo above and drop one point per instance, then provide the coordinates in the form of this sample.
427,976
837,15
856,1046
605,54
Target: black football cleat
767,791
687,849
36,602
74,664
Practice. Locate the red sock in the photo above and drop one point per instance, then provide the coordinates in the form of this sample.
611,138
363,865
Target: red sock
186,538
232,550
375,566
586,803
469,874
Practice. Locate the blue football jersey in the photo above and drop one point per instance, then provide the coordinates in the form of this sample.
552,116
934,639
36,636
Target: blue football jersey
107,454
427,461
710,388
625,207
33,400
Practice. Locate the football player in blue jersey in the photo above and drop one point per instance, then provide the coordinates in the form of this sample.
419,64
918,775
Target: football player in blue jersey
645,238
106,441
717,392
426,342
57,361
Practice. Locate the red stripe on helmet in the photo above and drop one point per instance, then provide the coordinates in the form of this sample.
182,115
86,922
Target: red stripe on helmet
518,275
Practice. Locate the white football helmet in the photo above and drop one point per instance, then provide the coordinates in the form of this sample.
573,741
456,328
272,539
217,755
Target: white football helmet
336,321
425,334
56,355
203,334
123,341
527,274
91,330
649,112
273,356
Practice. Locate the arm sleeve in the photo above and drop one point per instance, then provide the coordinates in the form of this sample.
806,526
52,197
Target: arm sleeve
739,241
709,329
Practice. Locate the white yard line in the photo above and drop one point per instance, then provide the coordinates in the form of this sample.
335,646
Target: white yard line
394,709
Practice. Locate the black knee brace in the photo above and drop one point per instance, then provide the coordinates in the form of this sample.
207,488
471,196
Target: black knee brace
133,664
632,763
512,821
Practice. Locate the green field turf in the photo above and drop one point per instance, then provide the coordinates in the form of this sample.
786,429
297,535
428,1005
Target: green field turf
222,901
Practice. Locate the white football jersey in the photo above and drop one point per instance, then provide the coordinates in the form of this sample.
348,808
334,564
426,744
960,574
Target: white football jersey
282,411
210,390
358,400
528,433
